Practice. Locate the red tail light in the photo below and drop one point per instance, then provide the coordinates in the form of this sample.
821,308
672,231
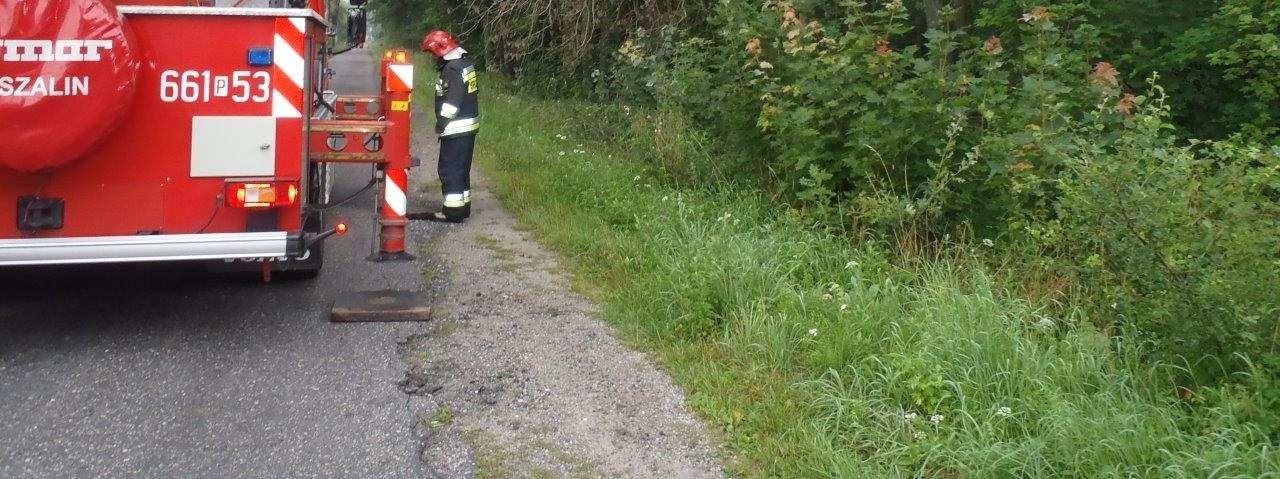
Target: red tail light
267,194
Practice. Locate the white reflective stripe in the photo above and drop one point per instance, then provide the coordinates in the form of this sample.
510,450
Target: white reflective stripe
466,195
404,73
289,60
467,71
281,107
461,126
299,23
454,200
396,198
448,111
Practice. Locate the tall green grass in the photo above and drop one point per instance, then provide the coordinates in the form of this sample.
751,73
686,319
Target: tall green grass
818,357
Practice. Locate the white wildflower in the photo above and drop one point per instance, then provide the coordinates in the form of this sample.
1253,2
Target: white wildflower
562,153
637,178
1004,411
664,198
988,243
826,296
919,435
909,416
936,419
851,264
766,65
844,307
813,332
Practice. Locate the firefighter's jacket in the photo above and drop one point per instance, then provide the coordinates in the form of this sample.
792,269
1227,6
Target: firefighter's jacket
457,102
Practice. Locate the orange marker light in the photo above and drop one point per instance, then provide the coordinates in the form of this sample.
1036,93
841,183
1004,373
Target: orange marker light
400,56
261,194
340,228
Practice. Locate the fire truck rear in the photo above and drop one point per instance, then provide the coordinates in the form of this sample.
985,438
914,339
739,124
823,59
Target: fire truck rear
154,130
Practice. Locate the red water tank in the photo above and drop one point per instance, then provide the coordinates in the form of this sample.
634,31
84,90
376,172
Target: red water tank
68,71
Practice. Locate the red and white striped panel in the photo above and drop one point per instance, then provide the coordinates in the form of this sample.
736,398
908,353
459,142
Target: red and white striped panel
397,202
401,77
287,78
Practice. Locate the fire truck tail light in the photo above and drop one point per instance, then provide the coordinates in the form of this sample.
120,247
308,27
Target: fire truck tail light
261,195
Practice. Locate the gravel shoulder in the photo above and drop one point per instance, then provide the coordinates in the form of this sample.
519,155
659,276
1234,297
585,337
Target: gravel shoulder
519,376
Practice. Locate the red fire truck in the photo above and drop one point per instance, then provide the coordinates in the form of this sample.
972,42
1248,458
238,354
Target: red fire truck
170,130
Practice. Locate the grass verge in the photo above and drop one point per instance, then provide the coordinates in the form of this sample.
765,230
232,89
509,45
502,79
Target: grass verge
818,357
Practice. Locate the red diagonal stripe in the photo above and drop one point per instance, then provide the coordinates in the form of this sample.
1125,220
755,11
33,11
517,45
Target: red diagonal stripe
288,88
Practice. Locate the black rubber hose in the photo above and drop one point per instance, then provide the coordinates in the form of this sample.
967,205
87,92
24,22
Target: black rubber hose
372,181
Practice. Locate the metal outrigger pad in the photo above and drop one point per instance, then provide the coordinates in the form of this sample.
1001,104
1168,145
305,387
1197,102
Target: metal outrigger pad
381,306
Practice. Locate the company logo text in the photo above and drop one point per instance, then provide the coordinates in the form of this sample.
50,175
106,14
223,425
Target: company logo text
53,50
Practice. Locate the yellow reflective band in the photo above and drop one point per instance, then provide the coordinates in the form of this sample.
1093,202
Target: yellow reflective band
469,78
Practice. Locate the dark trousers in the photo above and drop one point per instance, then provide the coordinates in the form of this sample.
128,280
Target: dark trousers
455,174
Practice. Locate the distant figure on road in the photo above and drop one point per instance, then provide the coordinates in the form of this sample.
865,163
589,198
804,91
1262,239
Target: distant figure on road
457,121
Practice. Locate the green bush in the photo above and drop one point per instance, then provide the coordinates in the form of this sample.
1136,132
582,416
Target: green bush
956,130
1180,242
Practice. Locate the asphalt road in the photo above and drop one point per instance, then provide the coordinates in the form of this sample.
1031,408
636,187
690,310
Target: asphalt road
148,371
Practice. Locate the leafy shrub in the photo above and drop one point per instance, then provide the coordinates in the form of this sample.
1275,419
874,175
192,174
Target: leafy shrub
1251,58
1181,242
958,129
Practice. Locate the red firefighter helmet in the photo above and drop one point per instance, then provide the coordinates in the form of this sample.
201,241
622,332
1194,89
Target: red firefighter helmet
438,42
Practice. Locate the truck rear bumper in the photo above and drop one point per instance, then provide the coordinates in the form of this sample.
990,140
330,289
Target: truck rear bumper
123,249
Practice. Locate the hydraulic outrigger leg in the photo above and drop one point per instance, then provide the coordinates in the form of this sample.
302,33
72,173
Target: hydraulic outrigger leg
375,130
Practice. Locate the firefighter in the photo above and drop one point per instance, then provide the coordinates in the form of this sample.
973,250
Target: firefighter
457,121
